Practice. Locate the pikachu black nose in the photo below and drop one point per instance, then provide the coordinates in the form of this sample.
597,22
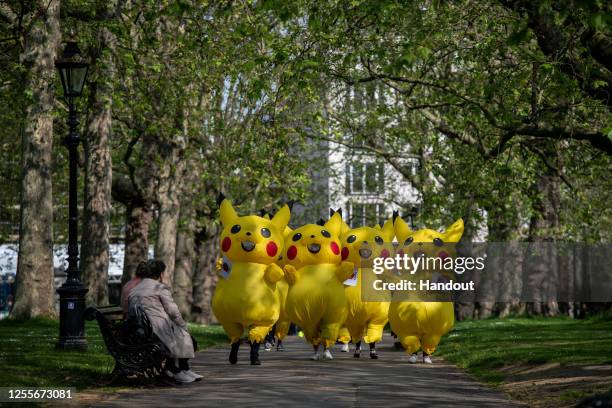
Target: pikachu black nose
248,233
312,236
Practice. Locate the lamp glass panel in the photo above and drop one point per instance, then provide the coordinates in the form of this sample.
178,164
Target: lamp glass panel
77,80
64,78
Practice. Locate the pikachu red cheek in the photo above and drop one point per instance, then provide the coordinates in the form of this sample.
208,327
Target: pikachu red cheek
384,253
226,244
443,255
345,253
271,248
292,252
335,248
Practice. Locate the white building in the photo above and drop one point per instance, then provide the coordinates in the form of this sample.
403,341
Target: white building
367,188
346,174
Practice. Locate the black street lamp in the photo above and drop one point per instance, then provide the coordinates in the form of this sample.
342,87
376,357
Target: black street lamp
73,70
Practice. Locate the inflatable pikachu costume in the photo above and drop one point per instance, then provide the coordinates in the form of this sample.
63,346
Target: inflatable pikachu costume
281,328
365,320
422,324
315,272
247,297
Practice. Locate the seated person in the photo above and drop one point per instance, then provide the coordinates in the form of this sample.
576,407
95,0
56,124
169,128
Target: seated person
156,300
125,290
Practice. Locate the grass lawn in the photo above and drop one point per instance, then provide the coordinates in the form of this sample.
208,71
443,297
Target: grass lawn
541,361
28,356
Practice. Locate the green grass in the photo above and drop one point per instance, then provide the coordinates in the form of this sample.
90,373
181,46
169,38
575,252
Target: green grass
482,347
28,356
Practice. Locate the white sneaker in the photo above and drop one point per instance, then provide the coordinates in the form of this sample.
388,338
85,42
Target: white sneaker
183,377
413,359
316,356
427,360
268,346
344,348
194,375
169,373
327,355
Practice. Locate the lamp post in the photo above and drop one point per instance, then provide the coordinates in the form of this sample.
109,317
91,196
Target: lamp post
73,70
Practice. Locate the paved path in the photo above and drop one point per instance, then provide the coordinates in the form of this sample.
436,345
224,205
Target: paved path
290,379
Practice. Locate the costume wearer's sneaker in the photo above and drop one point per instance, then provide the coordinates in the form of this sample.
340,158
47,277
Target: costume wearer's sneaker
194,375
427,359
327,355
373,354
183,377
279,347
316,356
267,346
413,359
169,373
344,348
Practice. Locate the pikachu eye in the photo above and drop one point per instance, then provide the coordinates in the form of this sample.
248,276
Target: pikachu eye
235,229
378,240
438,242
297,237
265,232
408,241
325,233
351,239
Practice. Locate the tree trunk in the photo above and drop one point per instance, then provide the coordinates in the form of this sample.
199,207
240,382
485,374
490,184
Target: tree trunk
34,294
138,218
98,177
542,229
169,211
205,276
183,268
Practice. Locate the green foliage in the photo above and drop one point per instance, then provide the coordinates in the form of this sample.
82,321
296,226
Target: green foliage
484,347
242,89
469,93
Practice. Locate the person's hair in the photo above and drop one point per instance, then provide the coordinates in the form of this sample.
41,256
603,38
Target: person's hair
141,270
153,269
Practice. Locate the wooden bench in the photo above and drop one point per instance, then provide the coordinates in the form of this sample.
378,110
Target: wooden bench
134,355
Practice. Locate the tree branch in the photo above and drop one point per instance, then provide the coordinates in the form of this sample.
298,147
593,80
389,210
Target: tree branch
552,43
547,163
597,139
8,13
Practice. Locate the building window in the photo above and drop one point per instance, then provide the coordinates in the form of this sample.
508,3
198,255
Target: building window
366,178
365,214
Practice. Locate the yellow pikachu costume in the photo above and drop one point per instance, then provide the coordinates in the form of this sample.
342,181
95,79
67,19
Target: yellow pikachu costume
315,272
365,320
246,297
283,323
422,324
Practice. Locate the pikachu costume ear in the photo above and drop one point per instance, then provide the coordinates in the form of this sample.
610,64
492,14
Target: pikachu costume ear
334,224
454,232
401,228
388,230
227,213
281,218
344,229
